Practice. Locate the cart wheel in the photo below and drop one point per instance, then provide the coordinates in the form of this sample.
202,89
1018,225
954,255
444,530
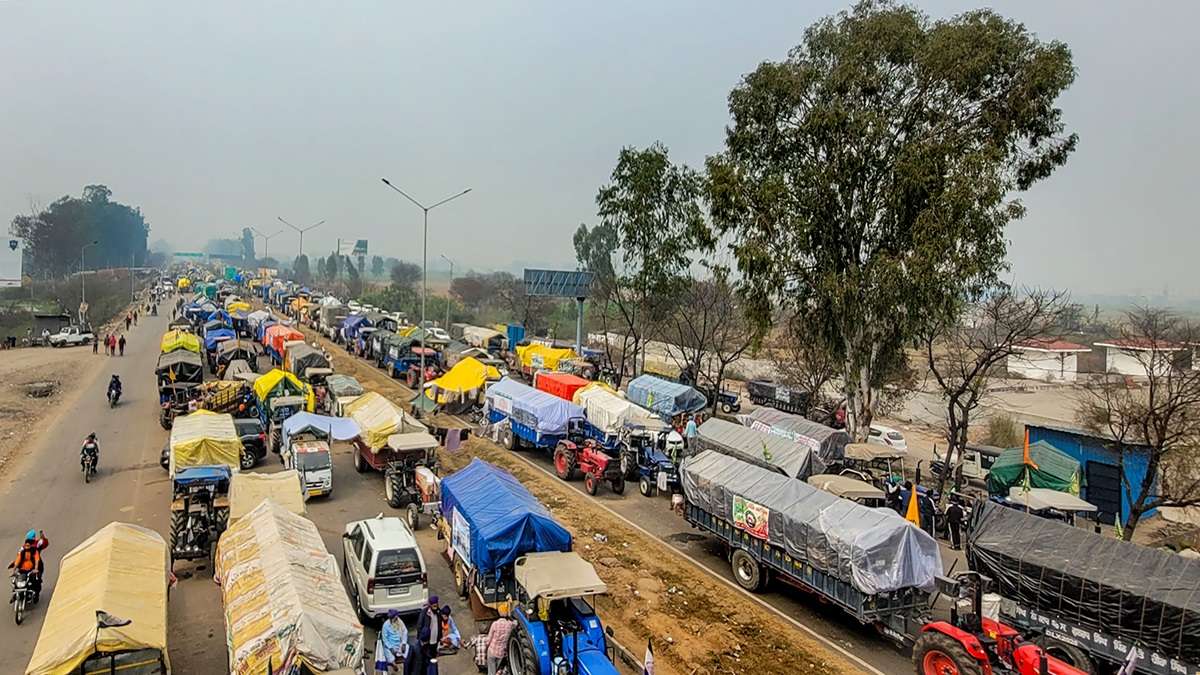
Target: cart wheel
414,517
939,654
645,487
747,572
590,483
359,465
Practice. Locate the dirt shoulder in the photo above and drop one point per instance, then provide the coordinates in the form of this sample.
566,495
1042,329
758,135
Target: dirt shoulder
698,624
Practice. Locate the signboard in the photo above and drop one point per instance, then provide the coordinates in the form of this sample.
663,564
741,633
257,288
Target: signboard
187,254
558,283
750,517
460,536
10,263
360,247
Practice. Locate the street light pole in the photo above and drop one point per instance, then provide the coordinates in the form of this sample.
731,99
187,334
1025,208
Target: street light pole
82,276
447,326
424,263
266,240
301,230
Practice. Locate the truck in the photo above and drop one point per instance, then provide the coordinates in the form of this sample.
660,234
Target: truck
664,398
305,447
71,336
769,451
871,564
778,396
531,418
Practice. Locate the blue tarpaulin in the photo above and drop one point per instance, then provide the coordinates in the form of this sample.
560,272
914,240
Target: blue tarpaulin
542,412
340,428
353,324
667,399
495,520
212,337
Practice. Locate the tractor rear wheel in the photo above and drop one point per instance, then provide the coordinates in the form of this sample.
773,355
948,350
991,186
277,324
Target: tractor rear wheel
178,518
564,463
939,654
521,658
618,485
1068,653
591,483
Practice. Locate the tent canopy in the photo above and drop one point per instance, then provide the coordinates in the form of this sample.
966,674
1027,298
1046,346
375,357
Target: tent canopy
541,356
216,336
122,570
323,426
545,413
1037,499
204,438
303,356
766,450
1054,469
379,418
248,490
173,340
555,574
466,375
609,412
665,398
343,385
828,443
845,486
282,383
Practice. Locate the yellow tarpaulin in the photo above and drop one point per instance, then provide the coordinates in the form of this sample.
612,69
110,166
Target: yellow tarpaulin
204,438
247,490
466,375
266,384
577,397
541,356
283,598
379,418
122,570
179,339
405,331
238,306
183,283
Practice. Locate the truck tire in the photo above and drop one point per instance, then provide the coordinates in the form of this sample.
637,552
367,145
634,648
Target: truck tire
936,653
1069,653
247,460
461,582
564,463
509,440
359,465
747,572
645,486
521,658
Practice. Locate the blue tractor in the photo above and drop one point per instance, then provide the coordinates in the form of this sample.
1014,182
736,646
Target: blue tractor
557,631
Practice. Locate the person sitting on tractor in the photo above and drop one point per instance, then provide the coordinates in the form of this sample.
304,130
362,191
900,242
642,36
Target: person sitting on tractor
90,449
29,560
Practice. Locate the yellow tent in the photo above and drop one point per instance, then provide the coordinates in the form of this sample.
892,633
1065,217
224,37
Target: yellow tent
466,375
577,397
204,438
238,306
379,418
248,490
265,385
121,570
179,339
541,356
405,331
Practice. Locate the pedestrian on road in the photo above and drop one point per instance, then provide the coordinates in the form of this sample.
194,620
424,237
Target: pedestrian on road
926,510
497,643
135,313
689,431
121,342
95,346
954,518
428,634
128,320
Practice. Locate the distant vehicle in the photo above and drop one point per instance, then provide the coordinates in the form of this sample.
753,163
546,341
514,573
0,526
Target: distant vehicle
384,567
888,436
71,336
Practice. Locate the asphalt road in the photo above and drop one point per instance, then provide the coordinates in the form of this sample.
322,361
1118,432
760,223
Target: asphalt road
44,489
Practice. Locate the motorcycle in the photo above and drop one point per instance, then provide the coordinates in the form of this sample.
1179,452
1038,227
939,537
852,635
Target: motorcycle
114,395
22,595
89,467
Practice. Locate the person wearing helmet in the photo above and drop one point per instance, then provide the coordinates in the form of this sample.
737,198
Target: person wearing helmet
29,560
91,448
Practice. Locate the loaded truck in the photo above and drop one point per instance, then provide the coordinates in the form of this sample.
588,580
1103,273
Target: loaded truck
205,451
531,418
664,398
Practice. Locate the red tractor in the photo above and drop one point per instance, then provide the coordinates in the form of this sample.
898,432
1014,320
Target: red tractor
972,644
590,460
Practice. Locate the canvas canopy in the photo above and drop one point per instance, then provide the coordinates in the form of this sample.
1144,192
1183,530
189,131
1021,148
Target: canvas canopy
343,385
379,418
1037,499
122,570
180,365
555,574
876,550
302,357
495,520
173,340
333,428
484,338
758,447
238,368
256,318
415,440
204,438
278,334
540,356
667,399
866,452
239,306
562,385
610,412
248,490
283,598
230,349
1051,468
844,486
214,337
282,383
828,443
544,413
468,375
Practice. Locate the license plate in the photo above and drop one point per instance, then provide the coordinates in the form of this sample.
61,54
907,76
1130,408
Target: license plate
398,590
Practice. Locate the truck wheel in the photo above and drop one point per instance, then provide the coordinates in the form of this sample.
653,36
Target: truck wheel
564,463
521,658
460,579
509,440
247,460
1062,651
393,490
590,483
359,465
645,486
937,653
747,572
618,485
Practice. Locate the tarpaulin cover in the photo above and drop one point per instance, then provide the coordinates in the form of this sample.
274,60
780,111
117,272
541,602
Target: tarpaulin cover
283,598
1145,596
379,418
260,333
758,447
302,357
245,347
664,397
828,443
247,490
353,324
180,365
340,428
541,356
477,336
538,410
874,549
343,385
177,339
1054,469
282,383
255,319
237,306
562,385
466,376
212,337
204,438
122,570
504,519
609,412
277,335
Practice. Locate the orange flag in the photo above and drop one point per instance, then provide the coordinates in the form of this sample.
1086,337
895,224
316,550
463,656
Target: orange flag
913,513
1027,460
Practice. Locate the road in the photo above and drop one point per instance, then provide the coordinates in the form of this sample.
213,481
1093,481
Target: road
43,489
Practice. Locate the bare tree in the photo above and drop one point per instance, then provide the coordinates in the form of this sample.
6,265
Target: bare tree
711,331
963,355
805,362
1155,417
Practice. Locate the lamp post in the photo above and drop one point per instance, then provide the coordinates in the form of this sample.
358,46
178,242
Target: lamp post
301,230
83,276
267,240
424,263
447,326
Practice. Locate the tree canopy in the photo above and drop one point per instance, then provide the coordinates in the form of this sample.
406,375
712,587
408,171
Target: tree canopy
54,236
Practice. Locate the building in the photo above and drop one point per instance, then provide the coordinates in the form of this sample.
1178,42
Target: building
1103,468
1047,360
1139,356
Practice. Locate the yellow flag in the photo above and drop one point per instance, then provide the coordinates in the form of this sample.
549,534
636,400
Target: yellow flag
913,513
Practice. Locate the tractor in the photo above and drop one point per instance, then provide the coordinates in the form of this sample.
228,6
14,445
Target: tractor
589,459
973,644
199,511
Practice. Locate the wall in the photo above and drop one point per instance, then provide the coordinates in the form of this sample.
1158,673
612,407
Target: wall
1045,366
1085,449
1131,362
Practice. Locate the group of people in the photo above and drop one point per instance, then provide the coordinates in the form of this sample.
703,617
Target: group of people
114,345
897,495
398,653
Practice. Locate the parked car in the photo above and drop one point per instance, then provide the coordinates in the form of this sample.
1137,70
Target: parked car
254,441
384,567
888,436
71,336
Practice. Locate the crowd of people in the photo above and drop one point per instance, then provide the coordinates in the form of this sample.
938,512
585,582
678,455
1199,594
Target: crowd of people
397,652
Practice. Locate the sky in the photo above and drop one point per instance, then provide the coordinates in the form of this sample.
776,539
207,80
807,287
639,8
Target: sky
216,115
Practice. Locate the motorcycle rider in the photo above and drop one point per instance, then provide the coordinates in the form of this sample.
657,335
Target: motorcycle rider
91,448
29,560
114,385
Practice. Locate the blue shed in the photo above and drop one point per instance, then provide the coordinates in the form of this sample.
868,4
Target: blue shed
1103,467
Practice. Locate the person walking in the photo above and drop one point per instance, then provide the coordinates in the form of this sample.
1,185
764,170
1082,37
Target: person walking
135,313
128,320
95,345
121,343
954,519
689,432
497,643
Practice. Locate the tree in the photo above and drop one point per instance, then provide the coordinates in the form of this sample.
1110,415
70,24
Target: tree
226,247
405,275
710,330
866,179
530,311
248,245
805,363
1156,421
321,268
300,271
376,266
55,235
353,279
333,267
962,356
651,221
470,290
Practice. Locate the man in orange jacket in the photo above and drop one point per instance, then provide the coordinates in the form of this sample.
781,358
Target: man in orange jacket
29,560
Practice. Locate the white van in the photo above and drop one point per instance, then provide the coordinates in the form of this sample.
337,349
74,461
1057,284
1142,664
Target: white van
384,567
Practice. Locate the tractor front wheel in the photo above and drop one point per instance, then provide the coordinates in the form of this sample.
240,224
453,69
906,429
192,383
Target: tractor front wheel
939,654
591,483
645,486
521,658
393,490
618,485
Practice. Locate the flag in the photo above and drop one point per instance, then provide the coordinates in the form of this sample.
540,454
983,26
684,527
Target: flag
648,668
1131,661
913,513
1027,460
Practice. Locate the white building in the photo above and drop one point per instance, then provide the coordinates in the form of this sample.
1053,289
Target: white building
1127,356
1046,360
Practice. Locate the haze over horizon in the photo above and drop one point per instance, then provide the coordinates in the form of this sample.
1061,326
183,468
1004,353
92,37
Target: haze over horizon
228,114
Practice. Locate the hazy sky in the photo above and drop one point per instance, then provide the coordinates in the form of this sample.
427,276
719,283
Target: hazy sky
218,114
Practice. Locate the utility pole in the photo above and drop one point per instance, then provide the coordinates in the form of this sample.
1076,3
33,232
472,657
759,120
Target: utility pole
266,240
301,230
447,326
83,281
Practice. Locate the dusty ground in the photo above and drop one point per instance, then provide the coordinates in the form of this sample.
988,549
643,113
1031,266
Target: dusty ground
699,625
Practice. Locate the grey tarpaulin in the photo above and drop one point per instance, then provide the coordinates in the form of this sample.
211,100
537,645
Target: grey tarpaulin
874,549
757,447
1146,596
665,398
828,443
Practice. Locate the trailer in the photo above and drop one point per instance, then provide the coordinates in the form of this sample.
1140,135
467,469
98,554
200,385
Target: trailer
778,396
562,385
665,398
828,443
771,452
528,417
869,563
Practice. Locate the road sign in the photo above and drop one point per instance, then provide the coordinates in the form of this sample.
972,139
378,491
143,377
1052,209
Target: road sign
360,247
558,283
182,254
10,263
